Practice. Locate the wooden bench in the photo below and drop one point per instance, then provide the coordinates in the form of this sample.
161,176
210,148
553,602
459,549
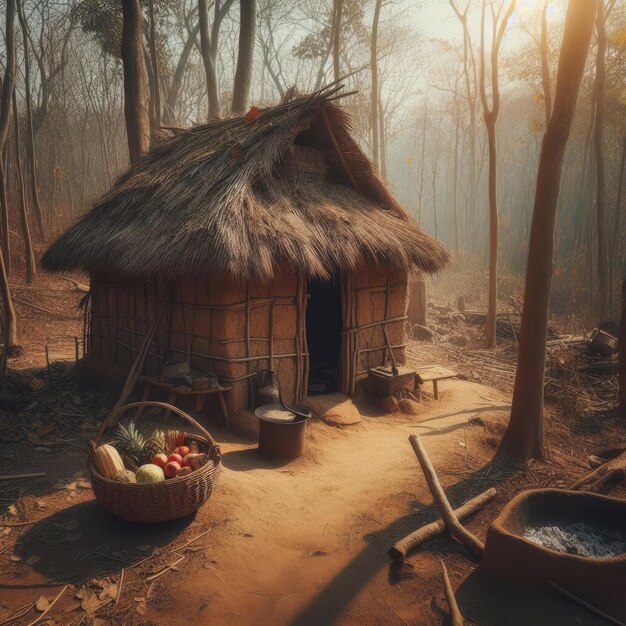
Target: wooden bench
173,391
434,373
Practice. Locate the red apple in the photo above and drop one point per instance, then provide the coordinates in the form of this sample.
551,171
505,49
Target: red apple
176,458
182,450
187,464
160,460
171,469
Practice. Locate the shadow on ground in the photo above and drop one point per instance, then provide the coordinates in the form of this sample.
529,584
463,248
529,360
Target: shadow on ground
331,602
496,603
250,459
84,541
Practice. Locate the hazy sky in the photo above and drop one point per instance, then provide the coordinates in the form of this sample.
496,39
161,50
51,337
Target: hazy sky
435,18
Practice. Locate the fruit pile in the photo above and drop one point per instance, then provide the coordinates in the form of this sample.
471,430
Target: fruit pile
131,458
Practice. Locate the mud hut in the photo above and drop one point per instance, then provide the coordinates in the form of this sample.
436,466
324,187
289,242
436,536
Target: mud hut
263,241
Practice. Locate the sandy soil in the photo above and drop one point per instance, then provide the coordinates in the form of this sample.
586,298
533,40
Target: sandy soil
303,542
306,542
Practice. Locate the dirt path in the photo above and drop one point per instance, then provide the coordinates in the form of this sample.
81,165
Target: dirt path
306,543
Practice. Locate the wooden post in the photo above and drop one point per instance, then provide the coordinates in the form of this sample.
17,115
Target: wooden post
622,353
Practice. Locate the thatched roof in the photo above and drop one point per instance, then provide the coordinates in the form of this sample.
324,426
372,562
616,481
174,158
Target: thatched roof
218,198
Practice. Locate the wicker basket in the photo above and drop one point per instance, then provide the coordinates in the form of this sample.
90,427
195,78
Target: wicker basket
157,502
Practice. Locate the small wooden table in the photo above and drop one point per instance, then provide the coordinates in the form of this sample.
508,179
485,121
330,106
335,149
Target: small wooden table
173,391
435,373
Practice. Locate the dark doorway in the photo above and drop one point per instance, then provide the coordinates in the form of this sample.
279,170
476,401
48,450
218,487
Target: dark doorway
323,333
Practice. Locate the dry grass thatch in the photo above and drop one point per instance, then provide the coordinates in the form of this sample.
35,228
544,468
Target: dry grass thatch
218,198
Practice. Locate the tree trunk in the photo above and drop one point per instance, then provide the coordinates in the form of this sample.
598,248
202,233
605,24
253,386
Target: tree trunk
524,436
8,84
135,100
245,56
338,8
156,90
455,184
490,115
622,351
618,209
9,312
382,141
30,134
207,60
31,271
374,88
169,114
490,323
545,66
603,274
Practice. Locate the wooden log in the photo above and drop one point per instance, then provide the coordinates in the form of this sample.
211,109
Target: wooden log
401,548
453,525
609,472
455,614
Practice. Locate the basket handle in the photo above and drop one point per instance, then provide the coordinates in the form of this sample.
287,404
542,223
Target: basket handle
163,405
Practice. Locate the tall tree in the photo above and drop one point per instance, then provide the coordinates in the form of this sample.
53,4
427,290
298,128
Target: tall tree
622,350
375,92
600,101
208,60
31,271
490,114
8,84
135,96
337,10
524,436
545,63
154,58
30,134
245,56
471,94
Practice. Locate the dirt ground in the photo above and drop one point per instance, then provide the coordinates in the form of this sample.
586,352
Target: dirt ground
303,542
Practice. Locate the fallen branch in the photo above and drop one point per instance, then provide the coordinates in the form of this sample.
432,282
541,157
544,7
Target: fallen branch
455,614
452,523
401,548
165,569
584,603
611,471
76,285
60,316
119,588
20,476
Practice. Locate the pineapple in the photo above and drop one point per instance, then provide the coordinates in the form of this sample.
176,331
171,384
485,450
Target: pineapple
156,444
130,442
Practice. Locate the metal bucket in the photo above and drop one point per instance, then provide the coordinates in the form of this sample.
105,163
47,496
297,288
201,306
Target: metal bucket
282,440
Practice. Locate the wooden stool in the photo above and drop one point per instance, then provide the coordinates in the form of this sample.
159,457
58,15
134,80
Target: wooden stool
435,373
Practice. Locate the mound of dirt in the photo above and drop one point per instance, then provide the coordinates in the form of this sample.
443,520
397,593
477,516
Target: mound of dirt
334,409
